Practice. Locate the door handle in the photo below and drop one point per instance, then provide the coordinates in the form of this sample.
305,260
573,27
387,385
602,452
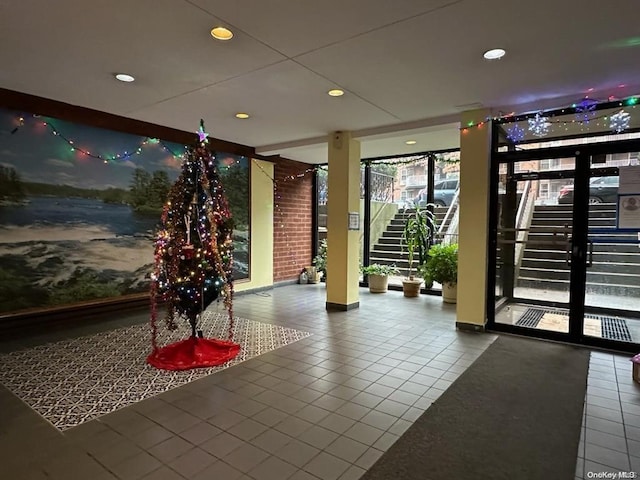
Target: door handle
568,260
576,251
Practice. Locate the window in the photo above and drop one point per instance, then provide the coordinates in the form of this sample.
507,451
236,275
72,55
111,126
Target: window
549,164
544,189
620,159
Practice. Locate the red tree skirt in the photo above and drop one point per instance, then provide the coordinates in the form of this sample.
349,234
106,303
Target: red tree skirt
193,353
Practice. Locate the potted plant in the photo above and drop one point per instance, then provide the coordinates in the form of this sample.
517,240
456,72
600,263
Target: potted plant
416,237
312,274
442,267
425,275
320,260
378,276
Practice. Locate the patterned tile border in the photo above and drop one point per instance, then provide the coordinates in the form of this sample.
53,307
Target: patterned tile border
73,381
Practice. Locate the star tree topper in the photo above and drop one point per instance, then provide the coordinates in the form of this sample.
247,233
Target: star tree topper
202,135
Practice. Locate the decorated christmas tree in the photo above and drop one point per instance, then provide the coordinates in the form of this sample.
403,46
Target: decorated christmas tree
193,262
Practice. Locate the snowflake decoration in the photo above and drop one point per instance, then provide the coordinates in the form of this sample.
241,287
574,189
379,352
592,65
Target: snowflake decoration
539,125
586,110
619,122
515,133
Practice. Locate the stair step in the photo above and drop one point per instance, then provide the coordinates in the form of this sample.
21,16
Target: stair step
598,256
552,222
389,240
604,248
600,265
561,273
591,287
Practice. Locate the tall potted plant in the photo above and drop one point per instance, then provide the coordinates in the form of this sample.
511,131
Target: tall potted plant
442,267
378,276
416,237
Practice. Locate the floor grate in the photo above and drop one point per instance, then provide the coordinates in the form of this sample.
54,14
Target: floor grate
612,328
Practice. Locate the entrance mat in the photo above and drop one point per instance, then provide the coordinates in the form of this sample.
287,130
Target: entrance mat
74,381
594,325
515,413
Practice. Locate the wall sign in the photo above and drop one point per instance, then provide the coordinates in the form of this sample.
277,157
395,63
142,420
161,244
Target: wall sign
354,221
629,198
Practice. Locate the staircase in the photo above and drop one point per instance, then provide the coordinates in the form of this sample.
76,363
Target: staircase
388,249
616,265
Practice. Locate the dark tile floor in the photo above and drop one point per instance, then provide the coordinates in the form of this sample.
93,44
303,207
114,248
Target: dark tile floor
325,407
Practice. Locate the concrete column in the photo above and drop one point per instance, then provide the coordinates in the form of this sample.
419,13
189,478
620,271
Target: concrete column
342,243
473,229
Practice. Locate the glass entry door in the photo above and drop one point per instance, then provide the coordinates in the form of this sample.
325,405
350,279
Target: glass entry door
564,267
612,293
534,248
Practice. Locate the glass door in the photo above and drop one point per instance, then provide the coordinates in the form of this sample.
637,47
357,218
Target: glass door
567,241
534,247
612,292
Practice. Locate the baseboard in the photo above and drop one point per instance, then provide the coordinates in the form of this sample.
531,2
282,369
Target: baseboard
341,307
470,327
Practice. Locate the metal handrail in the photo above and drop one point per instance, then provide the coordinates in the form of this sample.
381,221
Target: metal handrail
454,205
523,202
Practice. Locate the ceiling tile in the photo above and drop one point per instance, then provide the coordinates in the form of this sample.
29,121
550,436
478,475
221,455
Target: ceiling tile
285,101
295,27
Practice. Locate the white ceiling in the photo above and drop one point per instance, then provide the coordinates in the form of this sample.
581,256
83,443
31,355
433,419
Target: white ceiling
409,67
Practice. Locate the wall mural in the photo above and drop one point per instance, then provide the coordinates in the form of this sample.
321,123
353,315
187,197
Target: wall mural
79,207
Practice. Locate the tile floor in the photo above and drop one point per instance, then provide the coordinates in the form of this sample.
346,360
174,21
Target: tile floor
611,428
325,407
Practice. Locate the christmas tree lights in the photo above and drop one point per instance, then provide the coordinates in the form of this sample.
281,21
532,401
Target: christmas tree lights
193,260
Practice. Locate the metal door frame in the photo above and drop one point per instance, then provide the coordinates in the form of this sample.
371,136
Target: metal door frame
581,174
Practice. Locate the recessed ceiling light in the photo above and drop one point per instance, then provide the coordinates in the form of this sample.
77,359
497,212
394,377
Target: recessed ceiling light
336,92
123,77
221,33
242,115
410,142
494,54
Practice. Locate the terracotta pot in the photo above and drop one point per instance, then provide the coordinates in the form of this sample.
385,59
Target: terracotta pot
411,287
378,283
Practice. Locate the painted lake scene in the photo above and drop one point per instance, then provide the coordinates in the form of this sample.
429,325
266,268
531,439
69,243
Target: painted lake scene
79,211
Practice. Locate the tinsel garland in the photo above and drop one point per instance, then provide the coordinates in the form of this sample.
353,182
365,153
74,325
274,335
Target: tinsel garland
183,271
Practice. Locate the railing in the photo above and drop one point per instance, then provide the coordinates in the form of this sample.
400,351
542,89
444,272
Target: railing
381,188
451,210
416,181
523,222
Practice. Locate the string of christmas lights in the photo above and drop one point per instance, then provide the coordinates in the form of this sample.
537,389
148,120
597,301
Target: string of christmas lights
409,160
584,112
278,208
74,145
194,248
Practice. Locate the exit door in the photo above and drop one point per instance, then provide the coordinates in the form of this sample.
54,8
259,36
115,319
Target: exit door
562,269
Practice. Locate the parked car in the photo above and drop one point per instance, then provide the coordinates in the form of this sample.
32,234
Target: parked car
601,190
443,193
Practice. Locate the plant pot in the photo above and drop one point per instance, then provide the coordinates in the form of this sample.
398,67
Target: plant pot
313,274
411,287
450,292
378,283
